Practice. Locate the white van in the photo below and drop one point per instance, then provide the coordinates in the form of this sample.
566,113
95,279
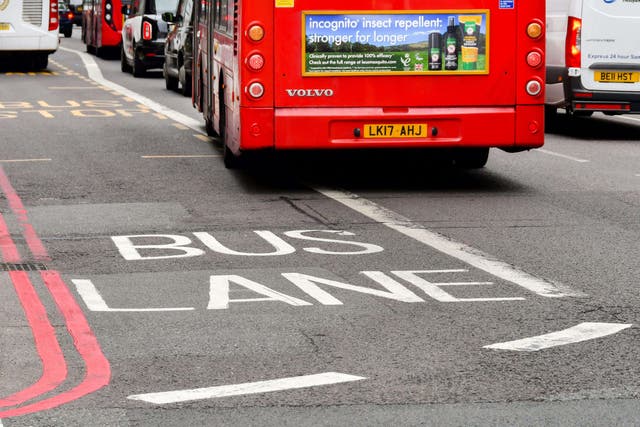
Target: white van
28,31
593,56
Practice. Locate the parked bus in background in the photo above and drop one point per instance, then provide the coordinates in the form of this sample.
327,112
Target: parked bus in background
28,31
102,24
303,74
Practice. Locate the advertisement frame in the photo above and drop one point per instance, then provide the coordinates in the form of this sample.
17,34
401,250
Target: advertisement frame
486,13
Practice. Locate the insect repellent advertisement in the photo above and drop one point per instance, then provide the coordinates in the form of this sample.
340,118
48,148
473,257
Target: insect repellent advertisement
442,42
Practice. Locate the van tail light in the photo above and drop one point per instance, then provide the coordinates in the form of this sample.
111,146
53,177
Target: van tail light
53,15
573,44
147,30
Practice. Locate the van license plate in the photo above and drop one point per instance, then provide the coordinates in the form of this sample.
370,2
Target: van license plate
396,130
617,76
5,26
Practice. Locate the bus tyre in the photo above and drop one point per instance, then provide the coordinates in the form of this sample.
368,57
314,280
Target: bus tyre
124,65
471,158
185,83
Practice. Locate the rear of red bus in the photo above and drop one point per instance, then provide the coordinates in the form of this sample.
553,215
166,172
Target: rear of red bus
102,24
336,74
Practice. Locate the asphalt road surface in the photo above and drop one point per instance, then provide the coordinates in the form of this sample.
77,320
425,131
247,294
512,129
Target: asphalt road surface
142,283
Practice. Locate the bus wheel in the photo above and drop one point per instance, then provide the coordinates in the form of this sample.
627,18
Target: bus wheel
471,158
231,161
185,84
124,65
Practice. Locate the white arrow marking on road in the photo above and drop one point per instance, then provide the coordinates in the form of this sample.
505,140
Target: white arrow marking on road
246,388
579,333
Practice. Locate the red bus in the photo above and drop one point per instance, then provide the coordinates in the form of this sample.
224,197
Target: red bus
102,24
465,75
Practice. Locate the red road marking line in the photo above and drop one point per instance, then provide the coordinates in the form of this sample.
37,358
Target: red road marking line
54,367
15,203
98,371
8,248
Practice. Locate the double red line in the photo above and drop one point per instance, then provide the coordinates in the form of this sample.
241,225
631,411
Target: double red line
54,366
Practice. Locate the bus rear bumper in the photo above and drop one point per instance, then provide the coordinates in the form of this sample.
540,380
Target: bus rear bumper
335,128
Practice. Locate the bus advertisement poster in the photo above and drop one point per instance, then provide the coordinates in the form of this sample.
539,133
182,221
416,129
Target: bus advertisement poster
446,42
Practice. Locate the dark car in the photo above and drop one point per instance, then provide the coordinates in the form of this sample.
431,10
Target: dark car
77,17
178,48
143,35
66,17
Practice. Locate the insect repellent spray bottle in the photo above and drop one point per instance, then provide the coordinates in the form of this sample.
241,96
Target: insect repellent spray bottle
435,51
451,45
470,40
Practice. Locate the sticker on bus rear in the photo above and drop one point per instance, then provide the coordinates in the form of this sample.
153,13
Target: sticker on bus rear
424,42
284,3
507,4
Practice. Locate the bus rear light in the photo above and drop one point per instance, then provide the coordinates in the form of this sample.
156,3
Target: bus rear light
573,43
255,90
534,87
534,59
255,33
255,62
53,15
107,17
534,30
147,31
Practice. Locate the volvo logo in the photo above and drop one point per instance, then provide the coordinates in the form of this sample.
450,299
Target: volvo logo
310,92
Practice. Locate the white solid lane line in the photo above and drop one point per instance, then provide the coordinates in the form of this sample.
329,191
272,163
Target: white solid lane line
579,333
441,243
96,75
564,156
326,378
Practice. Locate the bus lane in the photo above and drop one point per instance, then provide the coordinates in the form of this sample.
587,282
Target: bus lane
193,277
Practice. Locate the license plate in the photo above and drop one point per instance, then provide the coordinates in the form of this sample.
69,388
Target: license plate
4,27
617,76
396,130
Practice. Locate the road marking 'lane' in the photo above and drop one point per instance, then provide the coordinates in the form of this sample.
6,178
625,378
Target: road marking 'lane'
579,333
450,247
305,381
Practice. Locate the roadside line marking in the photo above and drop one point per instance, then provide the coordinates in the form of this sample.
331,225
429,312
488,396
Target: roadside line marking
304,381
96,75
182,156
564,156
439,242
95,302
203,138
24,160
582,332
180,126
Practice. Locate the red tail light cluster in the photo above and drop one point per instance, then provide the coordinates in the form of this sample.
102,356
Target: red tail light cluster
53,15
573,44
147,31
255,60
535,57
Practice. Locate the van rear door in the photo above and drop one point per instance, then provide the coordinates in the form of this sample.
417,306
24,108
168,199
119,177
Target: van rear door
610,57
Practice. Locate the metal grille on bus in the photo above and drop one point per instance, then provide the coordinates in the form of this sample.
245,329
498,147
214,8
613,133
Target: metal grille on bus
32,12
